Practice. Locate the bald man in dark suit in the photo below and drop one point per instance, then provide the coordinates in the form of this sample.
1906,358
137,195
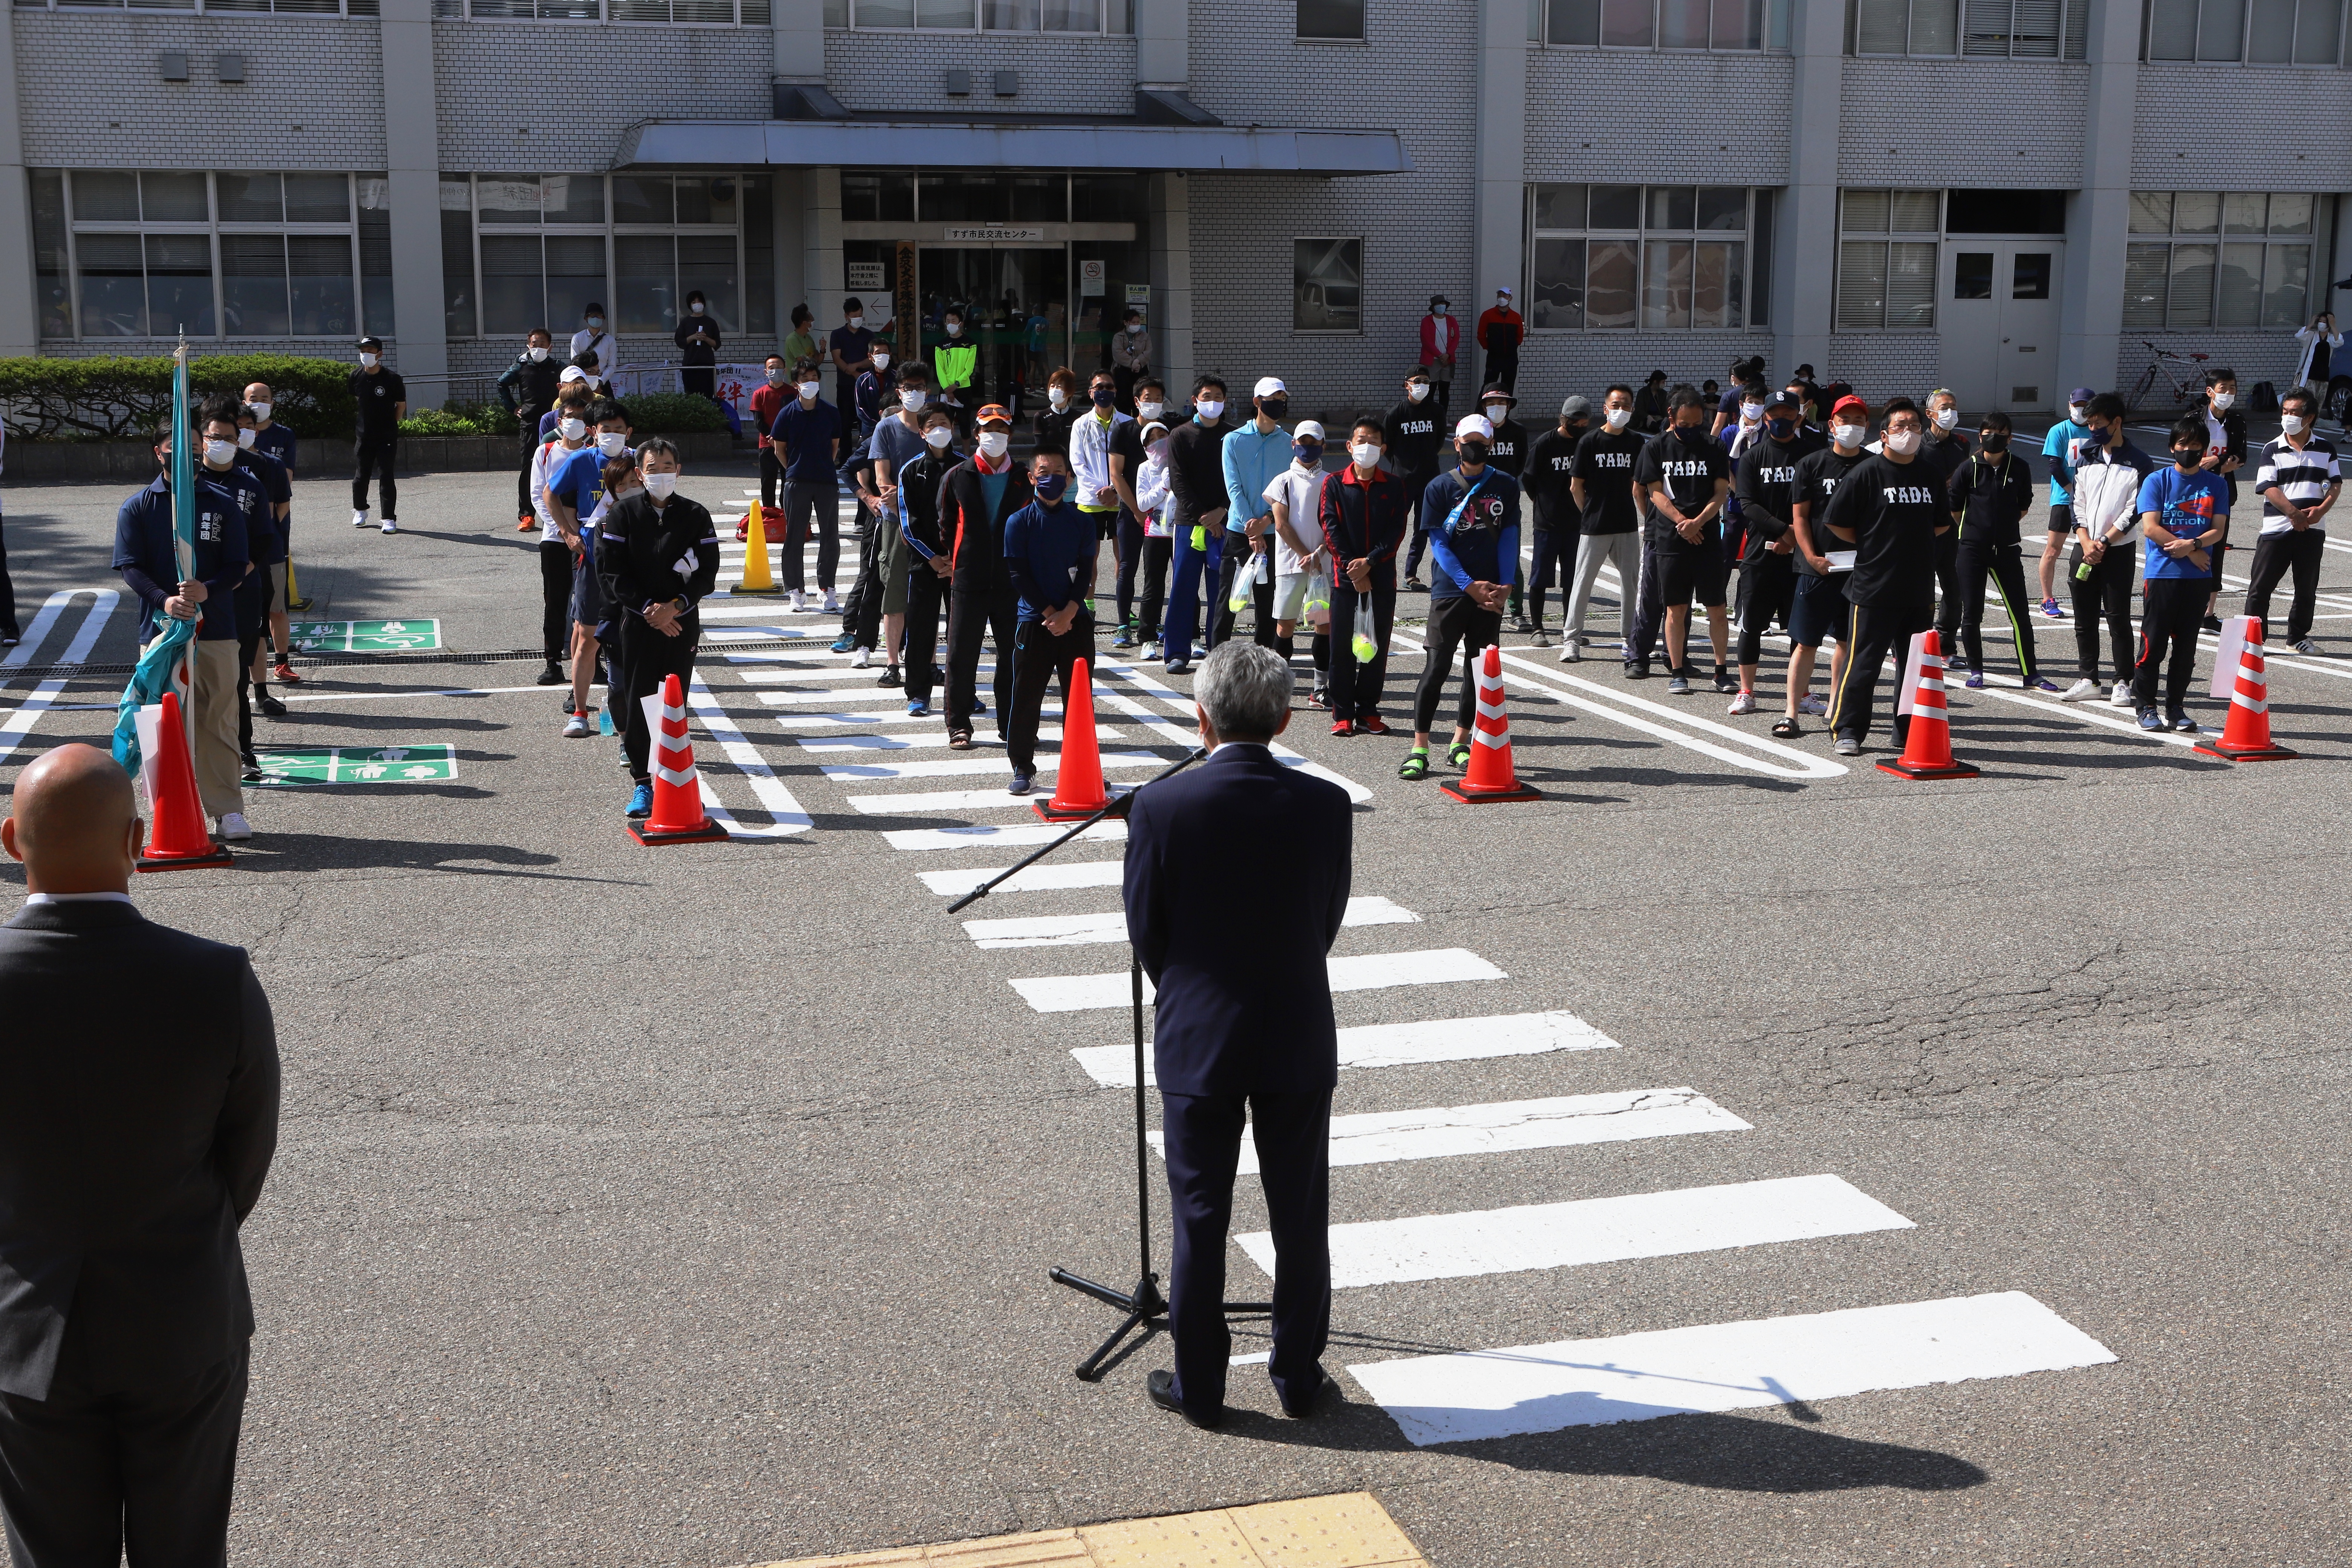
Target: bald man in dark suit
136,1129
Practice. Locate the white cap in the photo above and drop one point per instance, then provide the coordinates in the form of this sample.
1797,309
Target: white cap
1268,385
571,373
1308,430
1503,288
1474,424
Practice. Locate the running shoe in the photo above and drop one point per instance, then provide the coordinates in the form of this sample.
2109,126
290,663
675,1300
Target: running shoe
1808,703
832,604
2306,647
1743,703
252,770
1022,782
1975,682
1535,639
1847,746
1726,681
285,672
2148,721
1180,666
1344,728
1415,584
1520,623
1124,640
641,801
889,677
2179,720
270,707
1637,669
1373,724
551,676
234,829
360,518
799,601
577,728
390,526
2122,695
977,705
1152,649
865,659
2049,607
2042,683
1569,652
2083,691
917,708
1318,698
525,524
1679,686
844,642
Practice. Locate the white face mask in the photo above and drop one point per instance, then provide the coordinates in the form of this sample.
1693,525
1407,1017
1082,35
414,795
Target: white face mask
1618,418
611,442
367,362
1903,443
2080,413
808,390
937,437
1946,417
219,453
857,321
571,429
2221,401
1365,454
1057,397
245,439
1416,390
661,487
1135,326
1437,310
1848,435
538,354
1749,413
912,400
1497,412
881,360
2291,423
595,323
596,381
1149,410
955,329
261,411
993,443
1210,410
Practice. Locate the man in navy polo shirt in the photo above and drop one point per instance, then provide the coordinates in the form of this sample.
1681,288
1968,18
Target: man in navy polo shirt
807,437
228,501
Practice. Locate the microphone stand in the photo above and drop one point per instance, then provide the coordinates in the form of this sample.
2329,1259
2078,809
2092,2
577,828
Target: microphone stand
1144,1303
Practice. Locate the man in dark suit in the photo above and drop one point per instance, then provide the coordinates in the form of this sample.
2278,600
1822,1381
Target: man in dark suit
1243,1018
135,1133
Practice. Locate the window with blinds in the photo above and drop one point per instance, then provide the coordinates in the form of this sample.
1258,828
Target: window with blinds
2258,32
1655,258
1886,279
2021,30
2238,259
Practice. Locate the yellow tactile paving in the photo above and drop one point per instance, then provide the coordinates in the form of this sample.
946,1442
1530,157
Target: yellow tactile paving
1347,1530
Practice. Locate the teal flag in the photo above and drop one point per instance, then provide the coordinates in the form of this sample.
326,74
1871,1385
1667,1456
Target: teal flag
163,662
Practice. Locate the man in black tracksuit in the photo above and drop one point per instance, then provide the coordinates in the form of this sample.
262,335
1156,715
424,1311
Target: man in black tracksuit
1990,493
382,401
1544,476
980,604
1411,437
1943,447
1896,506
646,537
1363,510
528,388
930,559
1766,484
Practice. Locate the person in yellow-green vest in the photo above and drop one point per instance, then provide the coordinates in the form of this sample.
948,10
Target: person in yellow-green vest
955,362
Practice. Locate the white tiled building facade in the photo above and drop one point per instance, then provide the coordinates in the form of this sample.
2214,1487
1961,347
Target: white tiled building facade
2009,196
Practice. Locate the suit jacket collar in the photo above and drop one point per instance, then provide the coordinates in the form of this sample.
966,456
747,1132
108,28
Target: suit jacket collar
1241,754
97,914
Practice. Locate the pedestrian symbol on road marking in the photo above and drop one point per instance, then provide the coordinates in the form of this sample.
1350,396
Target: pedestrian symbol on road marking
293,765
364,636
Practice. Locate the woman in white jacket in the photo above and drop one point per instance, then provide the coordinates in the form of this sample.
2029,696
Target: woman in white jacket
2099,569
1151,494
2319,342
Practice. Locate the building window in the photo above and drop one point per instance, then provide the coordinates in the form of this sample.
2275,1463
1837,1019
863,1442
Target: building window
1743,24
525,250
216,8
1331,19
665,13
2263,32
1107,17
1652,257
235,254
1327,285
2021,29
2203,259
1883,278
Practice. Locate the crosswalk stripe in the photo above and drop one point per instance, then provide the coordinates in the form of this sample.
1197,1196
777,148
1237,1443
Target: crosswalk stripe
774,798
1078,931
884,696
1369,972
1594,1231
1367,1044
1748,1365
1040,878
950,767
834,721
982,739
1515,1125
987,836
946,800
1185,735
849,675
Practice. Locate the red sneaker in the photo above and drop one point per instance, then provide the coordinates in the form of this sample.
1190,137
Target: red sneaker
1344,727
1373,724
286,673
525,524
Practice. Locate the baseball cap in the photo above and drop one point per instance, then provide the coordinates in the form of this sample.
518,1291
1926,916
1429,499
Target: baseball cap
1268,386
1308,430
1577,407
1474,424
1497,390
2081,394
1504,288
373,344
1781,397
1850,404
571,373
991,414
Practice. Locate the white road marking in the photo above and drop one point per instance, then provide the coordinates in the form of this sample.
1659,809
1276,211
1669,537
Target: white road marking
1080,931
986,837
1368,1044
1594,1231
2083,712
950,767
52,609
1369,972
834,720
951,800
774,797
886,696
1040,877
21,718
981,738
1513,1125
1748,1365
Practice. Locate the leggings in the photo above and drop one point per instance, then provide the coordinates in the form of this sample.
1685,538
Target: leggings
1453,622
2004,567
1128,540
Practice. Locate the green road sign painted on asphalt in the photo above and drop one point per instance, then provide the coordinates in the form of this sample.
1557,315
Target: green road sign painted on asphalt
356,765
364,636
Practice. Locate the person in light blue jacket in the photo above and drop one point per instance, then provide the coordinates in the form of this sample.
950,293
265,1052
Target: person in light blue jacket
1255,454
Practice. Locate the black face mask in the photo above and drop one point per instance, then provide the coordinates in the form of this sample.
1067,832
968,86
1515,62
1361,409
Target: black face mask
1993,440
1781,429
1688,432
1474,453
2186,461
1105,396
1275,408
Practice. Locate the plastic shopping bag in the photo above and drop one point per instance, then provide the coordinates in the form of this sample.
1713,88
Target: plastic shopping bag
1366,644
1317,607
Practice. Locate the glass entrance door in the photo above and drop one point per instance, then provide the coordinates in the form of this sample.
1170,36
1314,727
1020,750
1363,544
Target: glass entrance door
1013,304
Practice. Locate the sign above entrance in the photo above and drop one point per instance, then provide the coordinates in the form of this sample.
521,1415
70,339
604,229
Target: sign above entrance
985,232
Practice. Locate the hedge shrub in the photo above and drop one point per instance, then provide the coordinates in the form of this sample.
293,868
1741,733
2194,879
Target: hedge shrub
121,397
673,413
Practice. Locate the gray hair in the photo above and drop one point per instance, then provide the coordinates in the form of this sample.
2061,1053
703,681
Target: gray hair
1244,689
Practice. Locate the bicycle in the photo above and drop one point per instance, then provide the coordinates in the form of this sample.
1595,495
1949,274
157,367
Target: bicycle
2187,390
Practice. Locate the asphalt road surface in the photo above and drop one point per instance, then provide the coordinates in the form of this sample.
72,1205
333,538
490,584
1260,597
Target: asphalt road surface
694,1206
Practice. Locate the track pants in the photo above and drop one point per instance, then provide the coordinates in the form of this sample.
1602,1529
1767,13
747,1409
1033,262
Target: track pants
1189,568
555,599
2105,594
1554,546
1768,590
1356,688
2172,613
975,614
1126,540
1152,572
1453,622
1874,631
1043,656
807,502
926,591
1415,486
1649,606
2275,555
1593,551
2003,566
372,458
772,474
647,657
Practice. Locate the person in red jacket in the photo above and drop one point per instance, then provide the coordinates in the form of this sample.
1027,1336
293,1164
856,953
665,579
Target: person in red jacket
767,401
1364,512
1500,331
1441,339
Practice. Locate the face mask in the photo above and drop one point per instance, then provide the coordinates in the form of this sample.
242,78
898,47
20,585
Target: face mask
913,401
538,354
1416,390
1437,310
1687,432
693,307
1946,417
1994,440
857,321
1848,435
1903,443
2079,413
1275,408
955,329
2221,401
1619,418
1135,326
611,442
1474,453
1781,429
1157,451
595,323
1049,487
1497,412
596,383
2106,436
807,390
937,437
1309,453
2187,461
218,453
571,429
993,443
881,360
661,487
775,378
1502,301
2291,423
1057,397
1749,413
261,411
245,439
1150,410
1365,454
1211,411
367,362
1103,396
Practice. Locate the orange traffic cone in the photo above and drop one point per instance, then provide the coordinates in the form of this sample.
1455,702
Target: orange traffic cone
1078,783
1490,776
176,839
1927,748
679,816
757,576
2246,732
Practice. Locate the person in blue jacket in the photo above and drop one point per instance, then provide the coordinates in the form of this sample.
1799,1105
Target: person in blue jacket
1473,511
1049,554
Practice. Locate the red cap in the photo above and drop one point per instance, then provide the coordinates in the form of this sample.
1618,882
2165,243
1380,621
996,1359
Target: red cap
1850,402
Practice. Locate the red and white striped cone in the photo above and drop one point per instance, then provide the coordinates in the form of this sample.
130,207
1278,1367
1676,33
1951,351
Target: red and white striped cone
1490,776
679,816
1927,743
2246,732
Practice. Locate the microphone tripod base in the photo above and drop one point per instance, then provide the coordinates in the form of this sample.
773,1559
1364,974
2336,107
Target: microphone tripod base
1142,1305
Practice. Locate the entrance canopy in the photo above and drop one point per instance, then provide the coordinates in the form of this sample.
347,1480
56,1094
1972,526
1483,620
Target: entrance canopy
1127,146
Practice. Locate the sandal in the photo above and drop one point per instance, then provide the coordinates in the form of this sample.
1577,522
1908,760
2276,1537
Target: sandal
1458,754
959,740
1786,729
1414,766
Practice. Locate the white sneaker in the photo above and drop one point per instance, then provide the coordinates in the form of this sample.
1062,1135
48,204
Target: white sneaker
2082,690
865,659
2122,695
1744,704
1808,703
2307,648
390,526
577,727
234,829
1569,653
799,601
359,518
832,604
